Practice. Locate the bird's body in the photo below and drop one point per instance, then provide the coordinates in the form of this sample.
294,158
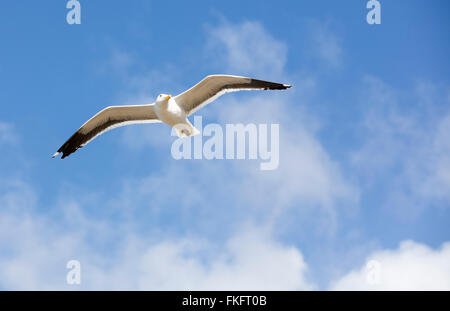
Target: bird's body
173,115
173,111
169,112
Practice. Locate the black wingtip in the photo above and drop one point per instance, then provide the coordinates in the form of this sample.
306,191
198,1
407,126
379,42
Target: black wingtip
278,86
267,85
64,156
71,145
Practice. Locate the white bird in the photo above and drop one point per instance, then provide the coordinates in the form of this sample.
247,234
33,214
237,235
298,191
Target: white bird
170,110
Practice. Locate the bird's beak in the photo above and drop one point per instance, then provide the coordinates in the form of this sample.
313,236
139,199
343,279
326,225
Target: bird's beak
168,97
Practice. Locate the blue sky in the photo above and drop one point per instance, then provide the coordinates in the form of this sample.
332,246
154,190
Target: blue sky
364,147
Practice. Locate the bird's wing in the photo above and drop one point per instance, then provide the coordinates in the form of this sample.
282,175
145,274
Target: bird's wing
105,120
214,86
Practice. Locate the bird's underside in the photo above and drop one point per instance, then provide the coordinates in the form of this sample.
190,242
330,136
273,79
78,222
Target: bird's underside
186,104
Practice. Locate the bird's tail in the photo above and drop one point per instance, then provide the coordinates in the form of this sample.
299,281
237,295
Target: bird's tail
186,129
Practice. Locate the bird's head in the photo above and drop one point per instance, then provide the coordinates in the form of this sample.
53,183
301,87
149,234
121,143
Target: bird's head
163,97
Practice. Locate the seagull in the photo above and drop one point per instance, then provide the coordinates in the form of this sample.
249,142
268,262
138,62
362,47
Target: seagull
171,110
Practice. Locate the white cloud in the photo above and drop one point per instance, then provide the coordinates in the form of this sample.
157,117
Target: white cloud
413,266
248,260
35,250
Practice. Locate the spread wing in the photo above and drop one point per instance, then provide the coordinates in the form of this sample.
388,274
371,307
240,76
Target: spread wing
105,120
214,86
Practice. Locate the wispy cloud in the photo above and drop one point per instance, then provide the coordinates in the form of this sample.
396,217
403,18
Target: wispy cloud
406,147
326,45
7,134
247,49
